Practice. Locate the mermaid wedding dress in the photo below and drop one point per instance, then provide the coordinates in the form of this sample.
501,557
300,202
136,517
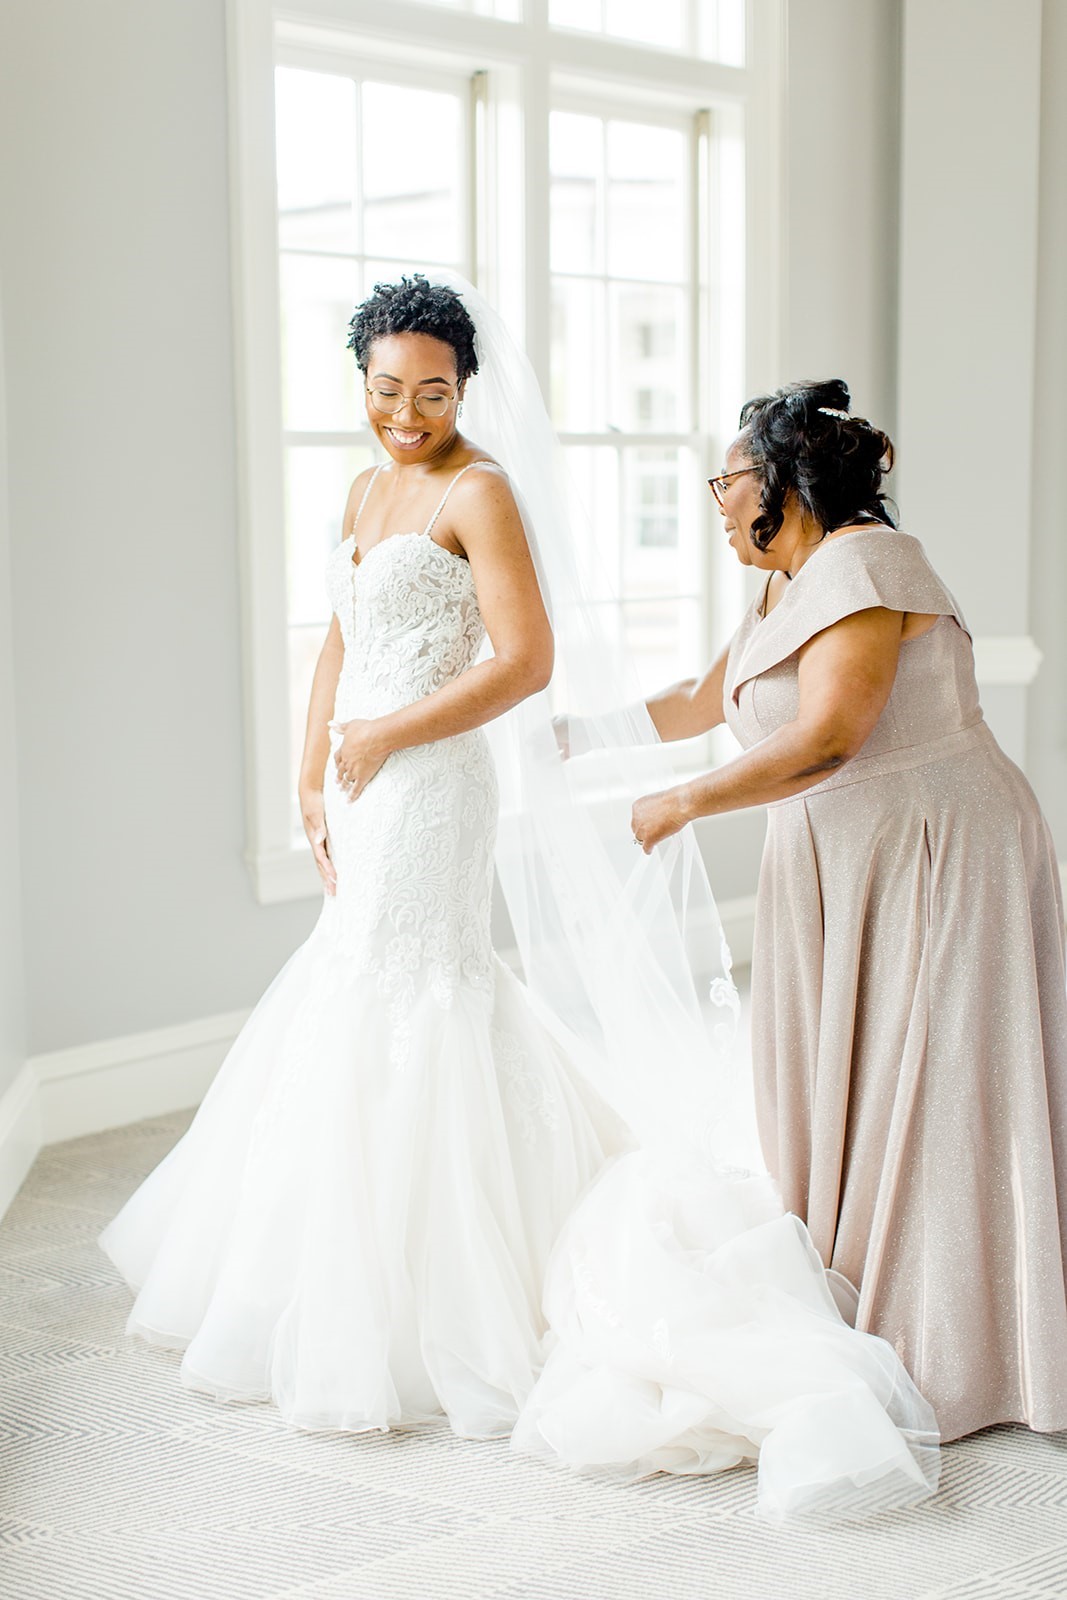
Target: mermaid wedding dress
358,1221
420,1188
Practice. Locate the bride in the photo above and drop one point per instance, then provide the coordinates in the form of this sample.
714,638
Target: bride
390,1185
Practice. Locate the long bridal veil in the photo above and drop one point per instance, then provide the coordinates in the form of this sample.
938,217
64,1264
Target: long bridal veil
612,941
692,1325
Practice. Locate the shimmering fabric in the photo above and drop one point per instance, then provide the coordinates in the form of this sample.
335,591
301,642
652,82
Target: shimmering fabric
909,1004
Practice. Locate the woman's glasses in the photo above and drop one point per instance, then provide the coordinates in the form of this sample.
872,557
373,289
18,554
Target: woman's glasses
390,401
719,485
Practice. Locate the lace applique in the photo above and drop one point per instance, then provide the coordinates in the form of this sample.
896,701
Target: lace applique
529,1095
414,853
661,1341
586,1297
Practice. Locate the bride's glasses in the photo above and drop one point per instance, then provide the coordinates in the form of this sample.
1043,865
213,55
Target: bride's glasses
719,485
390,401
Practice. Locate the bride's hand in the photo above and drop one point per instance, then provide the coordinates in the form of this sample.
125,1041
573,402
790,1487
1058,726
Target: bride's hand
313,816
359,755
656,817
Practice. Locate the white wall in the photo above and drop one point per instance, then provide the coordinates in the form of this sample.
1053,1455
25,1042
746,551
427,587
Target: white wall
12,1001
115,283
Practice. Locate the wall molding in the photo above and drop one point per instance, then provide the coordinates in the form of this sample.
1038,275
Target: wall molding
89,1088
1006,659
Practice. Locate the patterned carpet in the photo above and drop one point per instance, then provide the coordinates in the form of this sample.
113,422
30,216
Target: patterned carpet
117,1484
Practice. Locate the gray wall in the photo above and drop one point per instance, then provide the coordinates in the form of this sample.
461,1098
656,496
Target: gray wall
115,279
12,1003
1047,718
114,276
842,158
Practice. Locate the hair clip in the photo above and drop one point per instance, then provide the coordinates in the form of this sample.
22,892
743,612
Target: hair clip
831,411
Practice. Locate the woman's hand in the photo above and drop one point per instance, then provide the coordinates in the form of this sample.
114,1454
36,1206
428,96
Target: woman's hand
561,728
656,817
359,755
313,815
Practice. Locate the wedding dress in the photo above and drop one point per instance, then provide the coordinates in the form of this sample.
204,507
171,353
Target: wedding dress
387,1194
357,1223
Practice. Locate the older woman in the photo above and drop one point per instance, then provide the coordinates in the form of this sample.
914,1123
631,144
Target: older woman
909,1011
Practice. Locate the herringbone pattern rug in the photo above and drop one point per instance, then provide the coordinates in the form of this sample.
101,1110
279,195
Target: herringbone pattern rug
118,1484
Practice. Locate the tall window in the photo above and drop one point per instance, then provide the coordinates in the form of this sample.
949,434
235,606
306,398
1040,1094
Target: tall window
358,203
590,163
714,29
623,252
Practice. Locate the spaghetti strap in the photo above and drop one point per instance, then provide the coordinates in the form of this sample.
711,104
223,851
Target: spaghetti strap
449,487
363,502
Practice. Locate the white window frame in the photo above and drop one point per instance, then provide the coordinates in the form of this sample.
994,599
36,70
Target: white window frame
521,67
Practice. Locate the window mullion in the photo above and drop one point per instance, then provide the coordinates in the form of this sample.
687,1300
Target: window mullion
357,187
537,215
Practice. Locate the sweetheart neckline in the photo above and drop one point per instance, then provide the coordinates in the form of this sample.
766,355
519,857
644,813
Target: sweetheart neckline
410,533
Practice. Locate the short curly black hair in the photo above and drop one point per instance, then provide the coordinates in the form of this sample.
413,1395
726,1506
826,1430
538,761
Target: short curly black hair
803,440
415,305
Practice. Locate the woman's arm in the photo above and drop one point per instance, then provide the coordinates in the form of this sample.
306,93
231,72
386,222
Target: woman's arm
317,751
509,599
845,678
692,706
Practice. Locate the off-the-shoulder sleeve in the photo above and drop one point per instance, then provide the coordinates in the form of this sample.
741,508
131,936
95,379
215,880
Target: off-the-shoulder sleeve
871,567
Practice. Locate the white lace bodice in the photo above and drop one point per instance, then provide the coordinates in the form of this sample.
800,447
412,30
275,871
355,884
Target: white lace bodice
414,852
409,618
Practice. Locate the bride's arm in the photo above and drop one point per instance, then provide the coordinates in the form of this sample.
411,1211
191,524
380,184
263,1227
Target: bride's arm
509,599
317,751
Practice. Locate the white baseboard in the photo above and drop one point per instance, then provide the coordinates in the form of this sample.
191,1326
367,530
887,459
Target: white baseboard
89,1088
20,1134
96,1086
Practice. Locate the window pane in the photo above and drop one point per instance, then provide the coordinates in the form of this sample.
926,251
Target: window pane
646,202
320,388
648,380
576,160
660,24
594,476
585,14
660,549
579,374
316,153
413,205
317,481
506,10
722,31
714,29
665,639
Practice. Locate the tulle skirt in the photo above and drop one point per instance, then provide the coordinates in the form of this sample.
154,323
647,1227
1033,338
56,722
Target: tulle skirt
694,1328
373,1238
363,1243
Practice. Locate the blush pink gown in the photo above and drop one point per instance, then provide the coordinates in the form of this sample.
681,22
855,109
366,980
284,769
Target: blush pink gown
909,1004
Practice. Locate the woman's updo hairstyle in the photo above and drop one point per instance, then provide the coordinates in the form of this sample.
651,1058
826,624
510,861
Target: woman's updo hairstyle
414,306
804,440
